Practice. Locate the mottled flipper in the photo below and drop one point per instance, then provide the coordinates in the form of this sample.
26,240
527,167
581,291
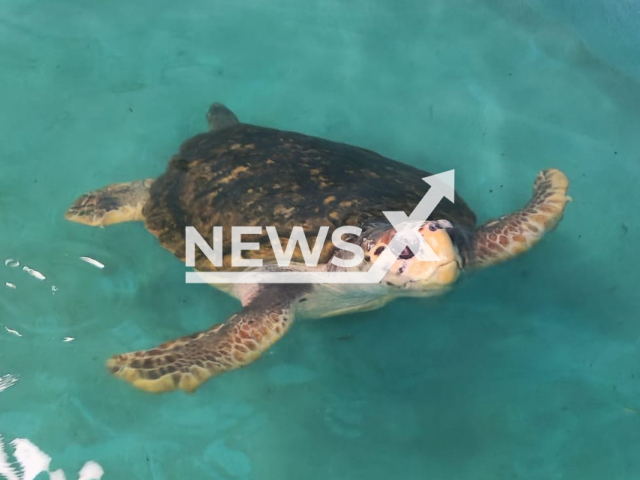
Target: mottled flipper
187,362
120,202
220,118
513,234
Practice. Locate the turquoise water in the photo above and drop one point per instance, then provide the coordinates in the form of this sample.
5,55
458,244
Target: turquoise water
530,370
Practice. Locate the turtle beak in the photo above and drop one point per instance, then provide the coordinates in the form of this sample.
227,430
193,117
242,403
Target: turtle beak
426,276
446,270
446,274
461,240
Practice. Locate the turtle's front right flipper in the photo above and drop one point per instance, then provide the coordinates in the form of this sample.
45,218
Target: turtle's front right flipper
120,202
187,362
500,240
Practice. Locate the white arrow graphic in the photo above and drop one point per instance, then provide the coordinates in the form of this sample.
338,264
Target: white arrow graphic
442,186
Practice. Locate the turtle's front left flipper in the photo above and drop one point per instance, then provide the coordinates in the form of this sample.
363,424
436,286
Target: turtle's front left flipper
511,235
187,362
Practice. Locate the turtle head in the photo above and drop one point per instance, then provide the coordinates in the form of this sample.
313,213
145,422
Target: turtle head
407,270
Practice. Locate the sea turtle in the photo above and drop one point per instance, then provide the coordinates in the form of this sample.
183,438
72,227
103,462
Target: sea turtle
238,174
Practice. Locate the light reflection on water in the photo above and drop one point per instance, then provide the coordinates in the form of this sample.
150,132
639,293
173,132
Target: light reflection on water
7,381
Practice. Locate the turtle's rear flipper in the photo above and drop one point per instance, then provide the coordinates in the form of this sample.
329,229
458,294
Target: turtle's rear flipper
513,234
121,202
187,362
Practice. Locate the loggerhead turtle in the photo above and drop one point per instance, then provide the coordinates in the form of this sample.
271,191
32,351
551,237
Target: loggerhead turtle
243,175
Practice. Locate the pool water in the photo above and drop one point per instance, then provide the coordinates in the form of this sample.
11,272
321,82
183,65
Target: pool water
529,370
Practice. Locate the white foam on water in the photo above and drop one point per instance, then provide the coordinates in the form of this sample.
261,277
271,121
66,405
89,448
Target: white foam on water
91,471
57,475
6,469
31,462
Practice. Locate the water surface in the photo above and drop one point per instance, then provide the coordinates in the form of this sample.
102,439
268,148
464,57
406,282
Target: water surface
529,370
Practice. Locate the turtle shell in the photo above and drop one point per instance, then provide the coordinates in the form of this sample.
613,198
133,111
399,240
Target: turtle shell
254,176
